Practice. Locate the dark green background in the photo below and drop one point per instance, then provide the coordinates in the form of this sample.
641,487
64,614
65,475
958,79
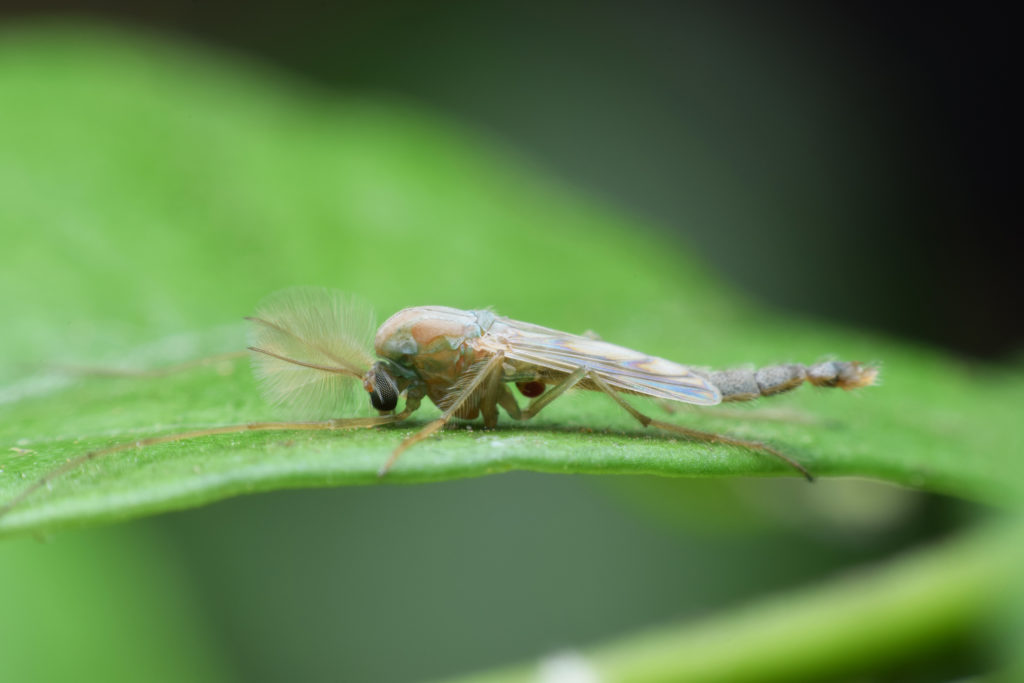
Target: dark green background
743,135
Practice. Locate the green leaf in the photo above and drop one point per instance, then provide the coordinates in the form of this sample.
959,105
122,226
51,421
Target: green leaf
150,196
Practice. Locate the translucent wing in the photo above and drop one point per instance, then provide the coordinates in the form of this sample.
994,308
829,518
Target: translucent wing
311,348
620,367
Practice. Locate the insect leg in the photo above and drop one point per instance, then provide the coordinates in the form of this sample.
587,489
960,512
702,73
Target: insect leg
491,366
74,463
544,399
507,401
489,401
694,433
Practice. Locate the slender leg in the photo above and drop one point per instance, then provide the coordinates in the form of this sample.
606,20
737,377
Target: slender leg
694,433
537,404
491,366
74,463
507,401
489,400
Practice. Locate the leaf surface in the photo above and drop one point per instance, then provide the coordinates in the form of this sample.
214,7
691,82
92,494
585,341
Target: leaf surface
185,187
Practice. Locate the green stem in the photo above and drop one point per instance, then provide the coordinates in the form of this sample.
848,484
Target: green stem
848,624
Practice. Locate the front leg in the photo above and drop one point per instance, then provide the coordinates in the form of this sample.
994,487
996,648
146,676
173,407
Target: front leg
493,365
411,404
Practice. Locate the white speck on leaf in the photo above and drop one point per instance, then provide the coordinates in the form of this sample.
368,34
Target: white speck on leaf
500,442
566,667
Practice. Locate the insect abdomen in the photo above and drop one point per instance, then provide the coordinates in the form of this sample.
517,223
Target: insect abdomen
746,384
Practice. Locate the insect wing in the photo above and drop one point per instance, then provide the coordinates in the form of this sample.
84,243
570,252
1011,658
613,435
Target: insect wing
620,367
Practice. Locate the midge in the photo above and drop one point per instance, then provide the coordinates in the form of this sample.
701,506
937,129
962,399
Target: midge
311,350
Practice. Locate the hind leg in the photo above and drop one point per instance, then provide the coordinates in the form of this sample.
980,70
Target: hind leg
696,434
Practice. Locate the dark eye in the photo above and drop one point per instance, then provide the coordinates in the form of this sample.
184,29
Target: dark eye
385,393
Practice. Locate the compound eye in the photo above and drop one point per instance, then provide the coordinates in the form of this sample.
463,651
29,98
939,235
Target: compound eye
384,396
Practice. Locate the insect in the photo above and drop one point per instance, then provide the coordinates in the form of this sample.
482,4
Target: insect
311,349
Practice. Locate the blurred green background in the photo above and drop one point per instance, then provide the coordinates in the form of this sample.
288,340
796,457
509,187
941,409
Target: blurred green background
158,178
